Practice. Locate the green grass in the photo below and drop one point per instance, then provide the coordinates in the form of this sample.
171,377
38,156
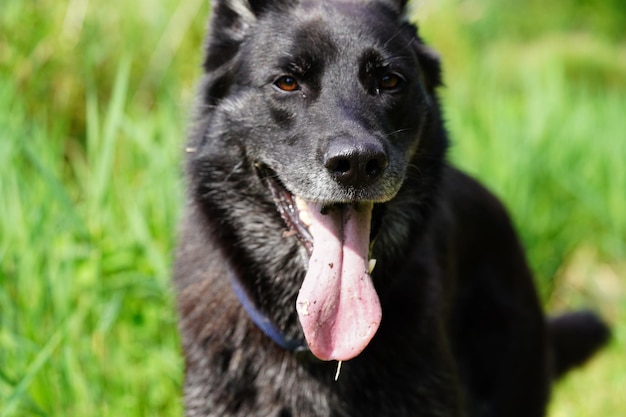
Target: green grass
94,101
87,325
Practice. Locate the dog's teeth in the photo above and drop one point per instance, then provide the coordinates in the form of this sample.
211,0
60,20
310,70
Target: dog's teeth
303,307
371,265
303,211
305,217
300,203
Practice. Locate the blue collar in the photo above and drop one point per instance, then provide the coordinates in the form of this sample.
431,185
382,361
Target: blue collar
262,321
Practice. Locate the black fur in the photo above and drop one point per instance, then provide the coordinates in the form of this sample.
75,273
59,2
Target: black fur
462,334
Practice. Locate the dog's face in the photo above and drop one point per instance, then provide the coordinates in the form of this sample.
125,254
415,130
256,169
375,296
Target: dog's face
330,96
327,101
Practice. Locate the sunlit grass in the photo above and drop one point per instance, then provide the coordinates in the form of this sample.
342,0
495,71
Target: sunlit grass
88,323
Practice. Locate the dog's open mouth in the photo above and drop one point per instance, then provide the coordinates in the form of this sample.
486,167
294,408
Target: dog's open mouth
338,307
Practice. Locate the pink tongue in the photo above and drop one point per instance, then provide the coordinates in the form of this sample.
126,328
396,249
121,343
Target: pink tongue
337,305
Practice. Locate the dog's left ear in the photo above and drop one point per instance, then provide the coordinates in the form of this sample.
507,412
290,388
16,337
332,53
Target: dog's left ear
430,64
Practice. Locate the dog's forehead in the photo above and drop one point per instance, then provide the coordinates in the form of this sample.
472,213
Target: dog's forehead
343,27
346,21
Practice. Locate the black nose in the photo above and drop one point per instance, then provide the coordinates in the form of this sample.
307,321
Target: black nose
354,162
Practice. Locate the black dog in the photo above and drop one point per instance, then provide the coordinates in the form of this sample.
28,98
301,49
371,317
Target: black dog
331,263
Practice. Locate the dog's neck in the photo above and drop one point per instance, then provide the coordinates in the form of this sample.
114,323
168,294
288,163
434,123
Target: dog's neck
262,321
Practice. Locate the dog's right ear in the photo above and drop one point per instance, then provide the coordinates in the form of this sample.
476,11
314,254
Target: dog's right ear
230,23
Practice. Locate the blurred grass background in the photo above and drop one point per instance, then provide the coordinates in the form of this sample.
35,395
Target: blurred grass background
94,101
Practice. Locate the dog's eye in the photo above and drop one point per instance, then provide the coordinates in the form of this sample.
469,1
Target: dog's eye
287,83
389,81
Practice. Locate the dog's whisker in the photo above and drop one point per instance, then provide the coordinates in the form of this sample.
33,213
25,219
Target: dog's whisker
396,132
395,35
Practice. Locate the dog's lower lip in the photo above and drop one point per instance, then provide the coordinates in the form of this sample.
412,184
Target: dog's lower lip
288,206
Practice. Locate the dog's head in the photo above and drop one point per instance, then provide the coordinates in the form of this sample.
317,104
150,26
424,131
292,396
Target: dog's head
327,101
341,87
